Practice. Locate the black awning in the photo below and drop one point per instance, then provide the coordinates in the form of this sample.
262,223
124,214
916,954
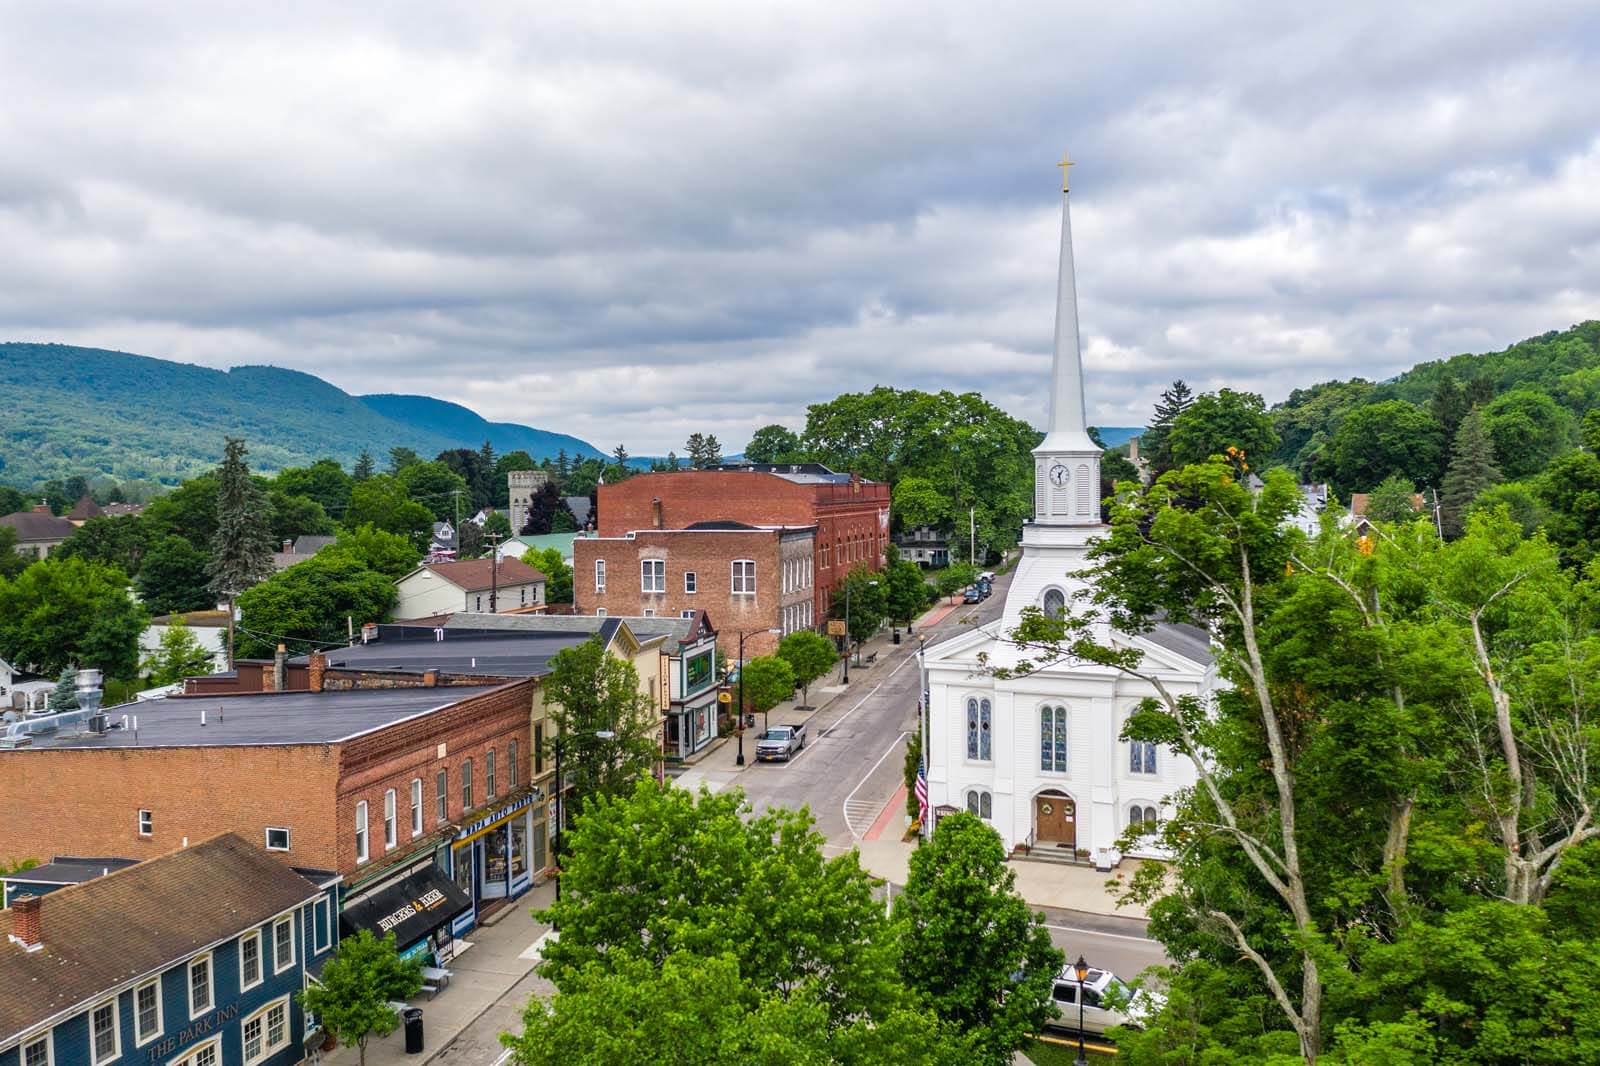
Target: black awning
411,908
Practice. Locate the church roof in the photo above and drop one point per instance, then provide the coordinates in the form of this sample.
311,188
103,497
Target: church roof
1191,642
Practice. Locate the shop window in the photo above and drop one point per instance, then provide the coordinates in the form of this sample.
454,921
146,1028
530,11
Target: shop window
204,1055
538,748
266,1032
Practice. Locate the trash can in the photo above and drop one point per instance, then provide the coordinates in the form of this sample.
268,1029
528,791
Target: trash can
897,636
413,1020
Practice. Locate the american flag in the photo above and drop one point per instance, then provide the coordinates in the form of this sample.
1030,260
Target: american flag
922,791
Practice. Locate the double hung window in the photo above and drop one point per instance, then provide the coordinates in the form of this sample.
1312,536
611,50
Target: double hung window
744,577
653,575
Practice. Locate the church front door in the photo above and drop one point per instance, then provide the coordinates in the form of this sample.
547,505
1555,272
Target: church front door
1054,822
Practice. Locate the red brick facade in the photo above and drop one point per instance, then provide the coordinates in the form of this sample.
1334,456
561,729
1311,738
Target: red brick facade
851,518
708,555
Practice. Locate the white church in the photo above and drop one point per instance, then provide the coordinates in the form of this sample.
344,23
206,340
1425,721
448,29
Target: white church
1038,757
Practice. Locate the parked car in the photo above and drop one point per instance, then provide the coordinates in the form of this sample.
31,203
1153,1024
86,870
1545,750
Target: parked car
781,742
972,595
986,578
1106,1002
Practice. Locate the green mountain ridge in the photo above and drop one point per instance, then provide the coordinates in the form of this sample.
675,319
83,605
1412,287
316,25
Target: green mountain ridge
72,410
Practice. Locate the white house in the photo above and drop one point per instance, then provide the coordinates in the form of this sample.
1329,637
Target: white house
469,585
1038,757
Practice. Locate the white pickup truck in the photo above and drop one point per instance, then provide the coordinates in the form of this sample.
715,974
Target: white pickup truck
780,742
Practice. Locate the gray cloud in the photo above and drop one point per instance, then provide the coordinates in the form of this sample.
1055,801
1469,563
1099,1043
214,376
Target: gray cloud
632,222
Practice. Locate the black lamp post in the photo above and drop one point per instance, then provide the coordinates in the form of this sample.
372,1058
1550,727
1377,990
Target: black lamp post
848,639
740,730
1081,968
561,802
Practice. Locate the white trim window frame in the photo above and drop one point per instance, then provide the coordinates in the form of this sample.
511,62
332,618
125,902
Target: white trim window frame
441,794
599,575
140,1037
743,577
26,1056
416,806
95,1031
691,583
281,959
207,1054
362,851
267,838
245,982
391,811
265,1025
147,822
652,575
197,1009
489,775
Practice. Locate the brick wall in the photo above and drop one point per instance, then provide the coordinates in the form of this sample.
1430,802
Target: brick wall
690,496
392,757
709,555
86,802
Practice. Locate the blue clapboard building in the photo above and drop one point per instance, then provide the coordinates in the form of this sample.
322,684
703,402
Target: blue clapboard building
190,959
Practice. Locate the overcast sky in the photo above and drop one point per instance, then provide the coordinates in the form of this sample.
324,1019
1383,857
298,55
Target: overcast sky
632,222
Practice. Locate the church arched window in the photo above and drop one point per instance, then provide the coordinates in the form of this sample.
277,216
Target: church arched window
1141,757
1055,603
980,803
972,728
1053,740
1142,817
985,733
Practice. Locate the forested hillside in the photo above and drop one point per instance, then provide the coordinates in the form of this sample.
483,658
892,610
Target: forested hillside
76,411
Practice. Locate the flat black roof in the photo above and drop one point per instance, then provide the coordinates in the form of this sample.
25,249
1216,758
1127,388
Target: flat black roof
268,718
68,870
463,652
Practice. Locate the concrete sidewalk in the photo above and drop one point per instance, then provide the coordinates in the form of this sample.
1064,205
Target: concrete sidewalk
501,956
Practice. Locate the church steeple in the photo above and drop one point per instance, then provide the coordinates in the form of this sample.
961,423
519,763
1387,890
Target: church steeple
1067,461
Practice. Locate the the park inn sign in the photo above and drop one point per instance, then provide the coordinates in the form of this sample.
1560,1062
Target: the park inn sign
204,1026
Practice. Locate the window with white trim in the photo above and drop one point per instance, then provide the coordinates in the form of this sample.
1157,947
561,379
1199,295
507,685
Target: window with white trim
690,582
1141,757
105,1033
147,823
441,784
282,944
147,1022
390,836
208,1054
980,734
277,838
653,575
488,776
980,803
361,831
202,993
599,612
250,960
744,577
322,920
599,575
266,1032
1053,740
511,768
416,806
1143,817
40,1052
466,787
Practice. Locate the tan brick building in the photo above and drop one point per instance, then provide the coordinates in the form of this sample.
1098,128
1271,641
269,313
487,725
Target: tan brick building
751,580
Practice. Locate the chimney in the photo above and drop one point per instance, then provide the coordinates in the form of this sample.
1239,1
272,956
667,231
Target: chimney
430,678
655,513
317,667
280,669
288,545
25,926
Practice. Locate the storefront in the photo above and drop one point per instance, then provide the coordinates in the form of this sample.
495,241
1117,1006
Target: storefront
419,908
496,856
692,719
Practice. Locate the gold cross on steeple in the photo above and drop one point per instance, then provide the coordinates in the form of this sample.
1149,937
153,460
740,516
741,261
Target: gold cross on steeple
1064,164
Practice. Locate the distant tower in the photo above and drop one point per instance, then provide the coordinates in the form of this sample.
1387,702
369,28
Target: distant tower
523,484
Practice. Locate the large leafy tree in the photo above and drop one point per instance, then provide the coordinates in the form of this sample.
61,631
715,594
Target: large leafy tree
295,516
390,554
547,511
438,488
917,502
558,575
905,591
765,682
188,511
775,444
314,602
477,471
1569,490
970,946
1175,399
12,562
323,481
352,995
381,502
69,611
1380,439
1394,500
179,656
809,655
173,577
861,596
1528,429
120,542
1472,470
1217,421
590,693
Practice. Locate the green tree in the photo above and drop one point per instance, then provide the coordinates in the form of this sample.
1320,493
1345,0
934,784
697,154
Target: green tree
544,508
390,554
438,488
498,525
1472,470
68,611
313,602
295,516
12,562
179,656
172,578
861,595
323,481
188,511
905,592
976,952
1528,428
11,501
917,501
705,451
589,693
64,697
119,542
351,997
809,655
1373,442
912,763
241,550
765,682
401,458
774,444
1569,490
1307,421
955,577
1394,500
558,575
1157,440
364,467
1520,499
475,472
381,502
1217,421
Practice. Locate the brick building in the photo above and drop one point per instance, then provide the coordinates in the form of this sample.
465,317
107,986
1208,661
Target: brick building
850,515
752,580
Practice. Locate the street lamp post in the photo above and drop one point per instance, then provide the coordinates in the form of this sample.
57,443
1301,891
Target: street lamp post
1081,968
766,718
848,638
561,801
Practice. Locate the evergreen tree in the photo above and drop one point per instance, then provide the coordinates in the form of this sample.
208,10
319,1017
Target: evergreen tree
1448,405
1472,469
705,451
620,456
64,697
241,551
672,460
363,468
1174,401
563,465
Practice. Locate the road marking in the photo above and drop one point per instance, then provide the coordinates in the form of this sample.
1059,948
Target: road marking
1096,932
870,808
835,724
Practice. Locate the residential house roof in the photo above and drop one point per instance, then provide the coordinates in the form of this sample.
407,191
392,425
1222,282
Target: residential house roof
579,506
677,629
1360,500
562,542
203,619
312,543
36,526
122,510
476,575
84,509
101,934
